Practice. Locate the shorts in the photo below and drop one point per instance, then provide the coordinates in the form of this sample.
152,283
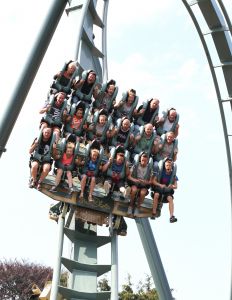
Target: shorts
138,185
40,162
165,192
117,184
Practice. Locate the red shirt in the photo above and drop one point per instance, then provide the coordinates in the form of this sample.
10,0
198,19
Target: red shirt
76,122
66,160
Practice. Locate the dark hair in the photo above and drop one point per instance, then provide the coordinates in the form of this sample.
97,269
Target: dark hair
144,154
92,72
133,91
168,159
172,108
67,64
111,81
102,112
119,149
79,105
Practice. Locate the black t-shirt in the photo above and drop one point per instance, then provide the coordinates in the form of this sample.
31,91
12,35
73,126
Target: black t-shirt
86,87
44,147
122,136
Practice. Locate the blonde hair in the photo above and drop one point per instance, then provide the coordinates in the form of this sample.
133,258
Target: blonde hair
95,151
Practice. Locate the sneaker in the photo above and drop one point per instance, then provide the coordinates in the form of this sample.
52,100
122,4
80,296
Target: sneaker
173,219
53,189
32,183
122,233
39,187
127,192
70,190
54,216
136,213
154,215
130,211
106,187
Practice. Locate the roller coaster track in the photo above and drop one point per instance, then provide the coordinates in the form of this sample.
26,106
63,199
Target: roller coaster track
83,15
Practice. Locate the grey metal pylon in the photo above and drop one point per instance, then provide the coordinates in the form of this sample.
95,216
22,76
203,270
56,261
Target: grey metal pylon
153,258
29,72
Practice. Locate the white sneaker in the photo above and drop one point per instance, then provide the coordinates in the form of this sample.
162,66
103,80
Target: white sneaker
106,187
127,192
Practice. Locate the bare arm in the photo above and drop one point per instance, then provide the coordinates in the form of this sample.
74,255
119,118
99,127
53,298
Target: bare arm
33,146
45,109
156,183
107,165
174,185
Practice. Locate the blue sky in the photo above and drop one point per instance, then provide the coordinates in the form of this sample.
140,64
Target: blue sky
157,51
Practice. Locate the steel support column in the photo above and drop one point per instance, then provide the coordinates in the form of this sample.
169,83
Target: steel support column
153,258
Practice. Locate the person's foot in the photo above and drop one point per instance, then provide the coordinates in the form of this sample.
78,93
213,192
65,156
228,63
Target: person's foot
32,183
130,211
173,219
53,189
106,187
90,199
153,215
39,187
122,232
81,196
136,212
127,192
70,190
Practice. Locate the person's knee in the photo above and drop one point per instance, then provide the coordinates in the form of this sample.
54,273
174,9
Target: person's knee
84,177
59,171
170,199
143,192
46,168
156,196
134,189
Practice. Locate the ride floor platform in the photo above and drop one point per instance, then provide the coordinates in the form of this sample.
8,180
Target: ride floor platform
102,206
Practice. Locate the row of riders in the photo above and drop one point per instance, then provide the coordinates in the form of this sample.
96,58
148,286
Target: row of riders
128,143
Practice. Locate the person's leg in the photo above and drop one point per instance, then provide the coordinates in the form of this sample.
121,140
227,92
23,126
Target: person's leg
34,170
171,209
91,188
45,170
171,205
132,195
57,180
58,176
83,184
155,203
142,195
70,180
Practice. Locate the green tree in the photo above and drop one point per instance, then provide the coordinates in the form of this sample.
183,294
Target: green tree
144,290
103,285
127,292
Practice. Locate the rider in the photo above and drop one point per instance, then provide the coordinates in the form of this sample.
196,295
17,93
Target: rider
164,183
41,152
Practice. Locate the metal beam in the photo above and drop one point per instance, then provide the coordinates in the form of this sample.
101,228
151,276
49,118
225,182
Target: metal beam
153,258
29,72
